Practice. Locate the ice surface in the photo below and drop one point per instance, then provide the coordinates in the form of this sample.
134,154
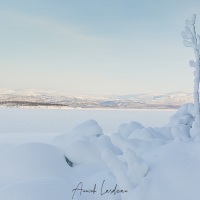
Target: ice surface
46,121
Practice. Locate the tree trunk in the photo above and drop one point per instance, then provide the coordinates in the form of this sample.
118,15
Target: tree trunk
196,90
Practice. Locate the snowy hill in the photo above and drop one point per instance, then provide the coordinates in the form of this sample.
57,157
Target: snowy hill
41,98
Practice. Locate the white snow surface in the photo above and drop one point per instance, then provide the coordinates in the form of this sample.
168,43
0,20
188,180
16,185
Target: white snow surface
131,162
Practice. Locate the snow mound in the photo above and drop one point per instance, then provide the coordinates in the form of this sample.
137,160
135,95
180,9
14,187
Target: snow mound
128,170
32,160
173,174
139,139
89,128
85,143
37,189
126,129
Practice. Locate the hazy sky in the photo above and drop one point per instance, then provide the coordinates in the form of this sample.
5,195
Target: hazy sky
96,46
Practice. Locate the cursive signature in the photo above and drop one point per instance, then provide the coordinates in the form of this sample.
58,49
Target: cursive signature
103,191
80,188
114,191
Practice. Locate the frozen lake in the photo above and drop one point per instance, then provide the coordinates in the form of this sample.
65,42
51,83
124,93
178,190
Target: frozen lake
56,121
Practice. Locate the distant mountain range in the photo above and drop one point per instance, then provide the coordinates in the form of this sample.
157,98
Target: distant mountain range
53,99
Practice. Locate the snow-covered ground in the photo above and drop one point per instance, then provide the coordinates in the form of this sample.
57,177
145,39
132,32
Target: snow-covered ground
98,154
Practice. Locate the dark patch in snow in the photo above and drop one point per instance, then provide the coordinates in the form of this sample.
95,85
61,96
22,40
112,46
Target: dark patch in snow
70,163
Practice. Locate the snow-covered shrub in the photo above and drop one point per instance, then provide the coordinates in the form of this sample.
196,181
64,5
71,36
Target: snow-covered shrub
135,130
137,167
128,169
136,137
145,134
181,122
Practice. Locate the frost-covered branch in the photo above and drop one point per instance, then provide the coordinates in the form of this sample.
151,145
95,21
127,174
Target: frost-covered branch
192,39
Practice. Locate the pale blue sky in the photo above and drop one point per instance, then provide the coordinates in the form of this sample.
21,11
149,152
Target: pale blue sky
96,46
